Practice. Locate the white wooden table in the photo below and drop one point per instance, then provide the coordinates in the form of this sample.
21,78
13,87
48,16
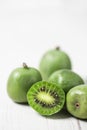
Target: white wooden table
22,117
27,29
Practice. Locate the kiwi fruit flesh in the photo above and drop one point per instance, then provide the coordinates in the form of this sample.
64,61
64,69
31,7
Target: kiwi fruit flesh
46,98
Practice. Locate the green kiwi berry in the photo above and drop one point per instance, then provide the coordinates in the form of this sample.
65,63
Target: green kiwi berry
19,82
53,60
76,101
46,98
66,79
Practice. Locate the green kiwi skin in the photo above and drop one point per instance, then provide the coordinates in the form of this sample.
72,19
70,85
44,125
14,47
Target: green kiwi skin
46,111
52,61
66,79
76,101
19,82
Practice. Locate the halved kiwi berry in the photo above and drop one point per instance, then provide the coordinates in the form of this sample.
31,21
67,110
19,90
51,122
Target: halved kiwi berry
46,98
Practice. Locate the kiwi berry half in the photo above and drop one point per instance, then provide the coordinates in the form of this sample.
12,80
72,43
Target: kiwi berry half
46,98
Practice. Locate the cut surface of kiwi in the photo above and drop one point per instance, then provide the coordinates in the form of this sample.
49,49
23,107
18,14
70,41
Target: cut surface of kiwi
46,98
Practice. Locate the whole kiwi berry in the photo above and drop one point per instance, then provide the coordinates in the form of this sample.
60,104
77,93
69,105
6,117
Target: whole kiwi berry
66,79
76,101
46,98
19,82
53,60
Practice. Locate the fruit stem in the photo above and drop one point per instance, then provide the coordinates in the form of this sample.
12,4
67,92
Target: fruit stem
57,48
25,65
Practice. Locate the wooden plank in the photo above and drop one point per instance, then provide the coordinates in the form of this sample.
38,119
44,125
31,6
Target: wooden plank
19,117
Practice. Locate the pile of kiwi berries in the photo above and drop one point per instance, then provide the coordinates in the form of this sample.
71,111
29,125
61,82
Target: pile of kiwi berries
50,88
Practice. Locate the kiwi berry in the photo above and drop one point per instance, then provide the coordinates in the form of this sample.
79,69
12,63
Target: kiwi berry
46,98
52,61
76,101
66,79
19,82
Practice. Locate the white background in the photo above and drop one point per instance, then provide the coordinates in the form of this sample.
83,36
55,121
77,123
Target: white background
28,28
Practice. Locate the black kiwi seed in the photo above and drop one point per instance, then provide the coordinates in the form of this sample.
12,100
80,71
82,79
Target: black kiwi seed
36,100
46,98
43,104
42,88
56,96
52,93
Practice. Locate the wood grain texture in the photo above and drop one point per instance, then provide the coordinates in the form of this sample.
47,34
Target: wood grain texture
19,117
